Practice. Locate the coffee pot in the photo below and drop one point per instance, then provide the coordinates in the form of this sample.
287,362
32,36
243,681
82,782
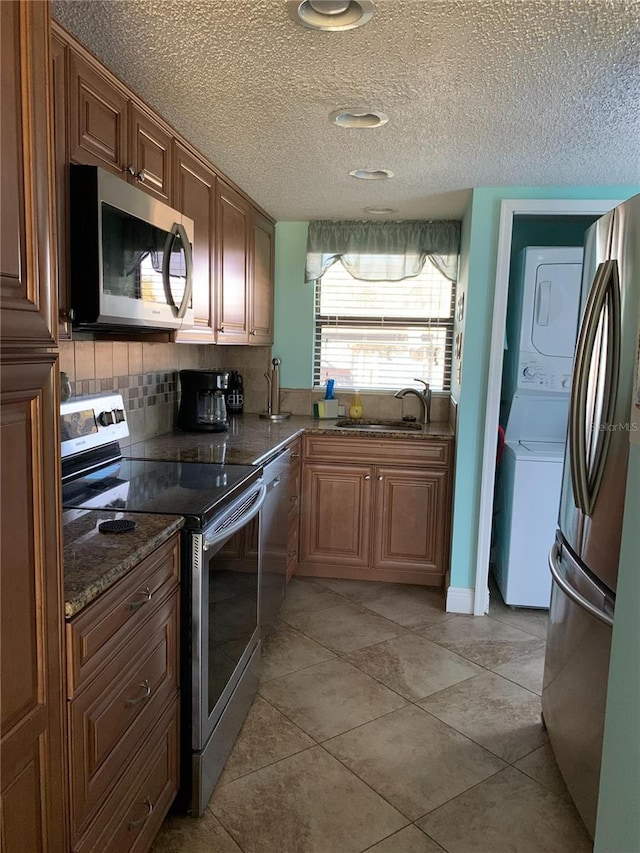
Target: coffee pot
202,403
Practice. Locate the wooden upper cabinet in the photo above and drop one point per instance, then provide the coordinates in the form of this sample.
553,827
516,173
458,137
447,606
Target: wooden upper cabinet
150,155
194,194
59,79
261,295
232,280
98,113
107,129
27,262
103,123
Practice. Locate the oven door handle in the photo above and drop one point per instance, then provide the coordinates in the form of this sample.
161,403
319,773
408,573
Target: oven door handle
224,533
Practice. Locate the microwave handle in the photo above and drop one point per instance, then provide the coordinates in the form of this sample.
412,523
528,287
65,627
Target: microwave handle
178,230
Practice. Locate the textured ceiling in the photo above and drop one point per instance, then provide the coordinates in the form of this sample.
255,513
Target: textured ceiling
479,93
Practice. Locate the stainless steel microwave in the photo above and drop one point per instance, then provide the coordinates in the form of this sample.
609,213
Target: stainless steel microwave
131,256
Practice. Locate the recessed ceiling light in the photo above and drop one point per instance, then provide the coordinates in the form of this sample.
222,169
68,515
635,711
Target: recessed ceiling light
358,118
371,174
380,211
331,14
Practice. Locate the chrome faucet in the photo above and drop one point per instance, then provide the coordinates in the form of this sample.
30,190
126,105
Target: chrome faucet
423,396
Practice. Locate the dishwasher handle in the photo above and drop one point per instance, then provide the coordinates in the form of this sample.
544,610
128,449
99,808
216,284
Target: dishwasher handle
238,516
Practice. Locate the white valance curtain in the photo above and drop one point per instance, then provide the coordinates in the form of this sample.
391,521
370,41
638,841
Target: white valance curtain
383,251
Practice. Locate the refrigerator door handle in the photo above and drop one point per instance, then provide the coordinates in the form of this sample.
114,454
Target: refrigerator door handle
595,385
570,592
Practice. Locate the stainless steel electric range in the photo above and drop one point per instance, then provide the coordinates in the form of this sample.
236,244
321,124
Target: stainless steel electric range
220,571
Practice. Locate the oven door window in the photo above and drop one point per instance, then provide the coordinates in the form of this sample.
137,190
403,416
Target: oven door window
233,612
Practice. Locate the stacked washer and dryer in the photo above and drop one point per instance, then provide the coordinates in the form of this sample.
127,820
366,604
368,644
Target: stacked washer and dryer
542,322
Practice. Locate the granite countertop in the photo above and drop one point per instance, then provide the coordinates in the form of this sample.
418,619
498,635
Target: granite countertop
252,440
94,561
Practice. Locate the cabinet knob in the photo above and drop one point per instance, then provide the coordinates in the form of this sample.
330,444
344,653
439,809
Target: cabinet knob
294,455
253,332
220,329
367,476
380,478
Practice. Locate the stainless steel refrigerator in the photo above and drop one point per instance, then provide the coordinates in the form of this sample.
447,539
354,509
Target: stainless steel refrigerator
584,559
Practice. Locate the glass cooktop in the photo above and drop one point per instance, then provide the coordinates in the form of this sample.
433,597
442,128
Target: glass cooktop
195,490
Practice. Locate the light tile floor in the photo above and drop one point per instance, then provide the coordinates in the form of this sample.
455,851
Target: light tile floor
385,724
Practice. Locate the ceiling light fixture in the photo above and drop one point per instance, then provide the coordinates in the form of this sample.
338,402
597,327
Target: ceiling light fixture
371,174
331,15
380,211
358,118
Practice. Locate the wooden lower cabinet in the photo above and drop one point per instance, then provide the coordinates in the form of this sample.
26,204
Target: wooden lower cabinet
123,708
367,513
33,781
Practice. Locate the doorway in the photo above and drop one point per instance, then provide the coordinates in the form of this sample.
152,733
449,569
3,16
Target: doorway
520,220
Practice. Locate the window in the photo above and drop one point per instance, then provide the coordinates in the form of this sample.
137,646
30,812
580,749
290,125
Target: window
383,334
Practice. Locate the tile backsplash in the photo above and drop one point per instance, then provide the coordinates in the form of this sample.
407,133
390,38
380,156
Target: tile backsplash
146,374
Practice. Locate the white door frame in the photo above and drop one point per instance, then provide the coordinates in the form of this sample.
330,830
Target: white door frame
508,209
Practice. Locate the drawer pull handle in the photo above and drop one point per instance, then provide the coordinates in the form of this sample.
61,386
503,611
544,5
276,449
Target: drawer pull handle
134,605
147,692
294,456
134,824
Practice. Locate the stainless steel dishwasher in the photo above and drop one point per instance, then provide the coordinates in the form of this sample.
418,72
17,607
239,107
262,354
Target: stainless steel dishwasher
273,539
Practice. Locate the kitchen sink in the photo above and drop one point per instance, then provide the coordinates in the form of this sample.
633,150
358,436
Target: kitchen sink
380,426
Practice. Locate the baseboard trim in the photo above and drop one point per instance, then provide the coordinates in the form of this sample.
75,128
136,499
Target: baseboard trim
460,600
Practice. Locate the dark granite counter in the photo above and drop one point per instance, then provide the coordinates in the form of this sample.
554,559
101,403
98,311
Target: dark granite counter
94,561
252,441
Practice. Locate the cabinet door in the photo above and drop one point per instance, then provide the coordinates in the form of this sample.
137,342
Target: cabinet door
262,259
335,514
26,271
97,118
31,617
233,224
59,79
194,194
150,155
410,519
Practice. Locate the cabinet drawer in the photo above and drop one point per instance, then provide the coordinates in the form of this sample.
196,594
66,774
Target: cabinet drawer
95,634
135,808
427,452
109,718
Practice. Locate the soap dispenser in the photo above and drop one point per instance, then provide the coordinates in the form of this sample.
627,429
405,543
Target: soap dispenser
355,408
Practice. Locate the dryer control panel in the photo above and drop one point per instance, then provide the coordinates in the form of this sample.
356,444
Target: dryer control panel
549,375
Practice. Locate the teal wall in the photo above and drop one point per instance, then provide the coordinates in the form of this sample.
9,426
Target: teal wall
293,311
482,259
618,825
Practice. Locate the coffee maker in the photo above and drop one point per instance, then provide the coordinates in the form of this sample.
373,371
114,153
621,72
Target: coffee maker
202,404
